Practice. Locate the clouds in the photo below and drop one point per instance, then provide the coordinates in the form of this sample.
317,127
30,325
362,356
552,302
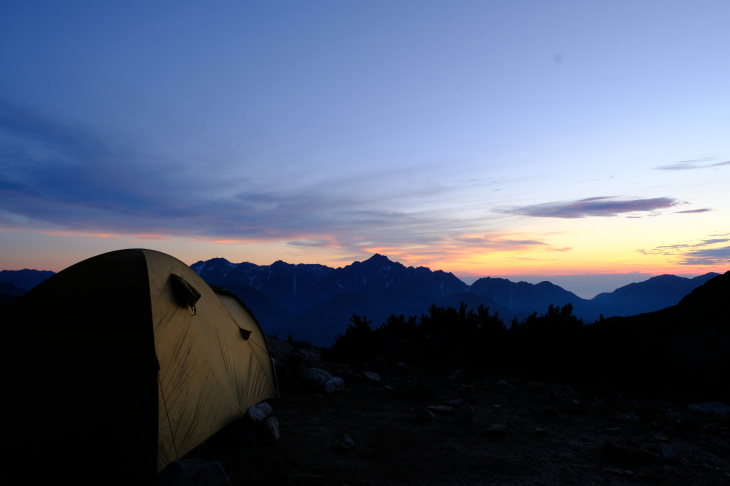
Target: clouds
61,177
707,256
690,211
594,206
703,163
705,252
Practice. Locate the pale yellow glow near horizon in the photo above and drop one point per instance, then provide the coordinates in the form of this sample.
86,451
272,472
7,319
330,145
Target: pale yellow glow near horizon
597,246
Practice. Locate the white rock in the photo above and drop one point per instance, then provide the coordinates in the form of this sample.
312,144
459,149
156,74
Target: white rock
334,384
316,377
372,376
271,430
258,413
347,443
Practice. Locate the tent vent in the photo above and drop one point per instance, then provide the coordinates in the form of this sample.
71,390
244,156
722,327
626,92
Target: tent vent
186,294
245,333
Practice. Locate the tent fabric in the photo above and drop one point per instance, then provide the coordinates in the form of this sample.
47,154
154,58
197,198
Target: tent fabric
105,361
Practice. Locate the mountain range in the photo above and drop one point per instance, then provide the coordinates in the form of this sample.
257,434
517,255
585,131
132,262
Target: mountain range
314,302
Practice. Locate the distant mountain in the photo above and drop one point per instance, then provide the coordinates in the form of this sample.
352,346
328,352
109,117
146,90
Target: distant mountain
649,295
522,298
312,301
683,348
315,301
11,289
25,279
298,287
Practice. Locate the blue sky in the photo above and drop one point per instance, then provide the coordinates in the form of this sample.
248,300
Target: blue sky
482,138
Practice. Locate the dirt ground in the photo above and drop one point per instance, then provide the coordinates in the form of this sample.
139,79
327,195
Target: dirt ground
522,433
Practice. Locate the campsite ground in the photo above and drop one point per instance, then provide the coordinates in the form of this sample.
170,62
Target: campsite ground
522,433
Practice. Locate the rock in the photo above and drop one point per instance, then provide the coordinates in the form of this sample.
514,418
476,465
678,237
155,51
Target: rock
457,402
371,376
502,383
427,414
557,387
315,378
496,431
441,409
270,431
402,365
346,443
661,438
334,384
258,413
668,453
455,375
711,407
280,350
497,407
613,431
466,415
540,431
627,454
192,472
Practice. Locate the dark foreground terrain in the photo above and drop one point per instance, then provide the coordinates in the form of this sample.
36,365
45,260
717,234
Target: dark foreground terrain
522,433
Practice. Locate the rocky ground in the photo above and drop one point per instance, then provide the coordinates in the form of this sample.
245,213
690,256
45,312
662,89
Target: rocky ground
429,425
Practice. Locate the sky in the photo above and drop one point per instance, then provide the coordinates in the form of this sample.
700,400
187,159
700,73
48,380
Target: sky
571,139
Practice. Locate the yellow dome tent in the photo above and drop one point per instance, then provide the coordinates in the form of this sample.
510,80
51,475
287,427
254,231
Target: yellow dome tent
121,364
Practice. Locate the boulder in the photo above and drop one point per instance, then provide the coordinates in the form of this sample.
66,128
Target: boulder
280,350
346,443
258,413
192,472
441,409
371,376
315,378
455,375
270,431
334,384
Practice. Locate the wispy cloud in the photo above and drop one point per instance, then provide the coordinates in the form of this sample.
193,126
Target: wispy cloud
703,163
690,211
56,177
699,253
310,243
708,256
593,206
